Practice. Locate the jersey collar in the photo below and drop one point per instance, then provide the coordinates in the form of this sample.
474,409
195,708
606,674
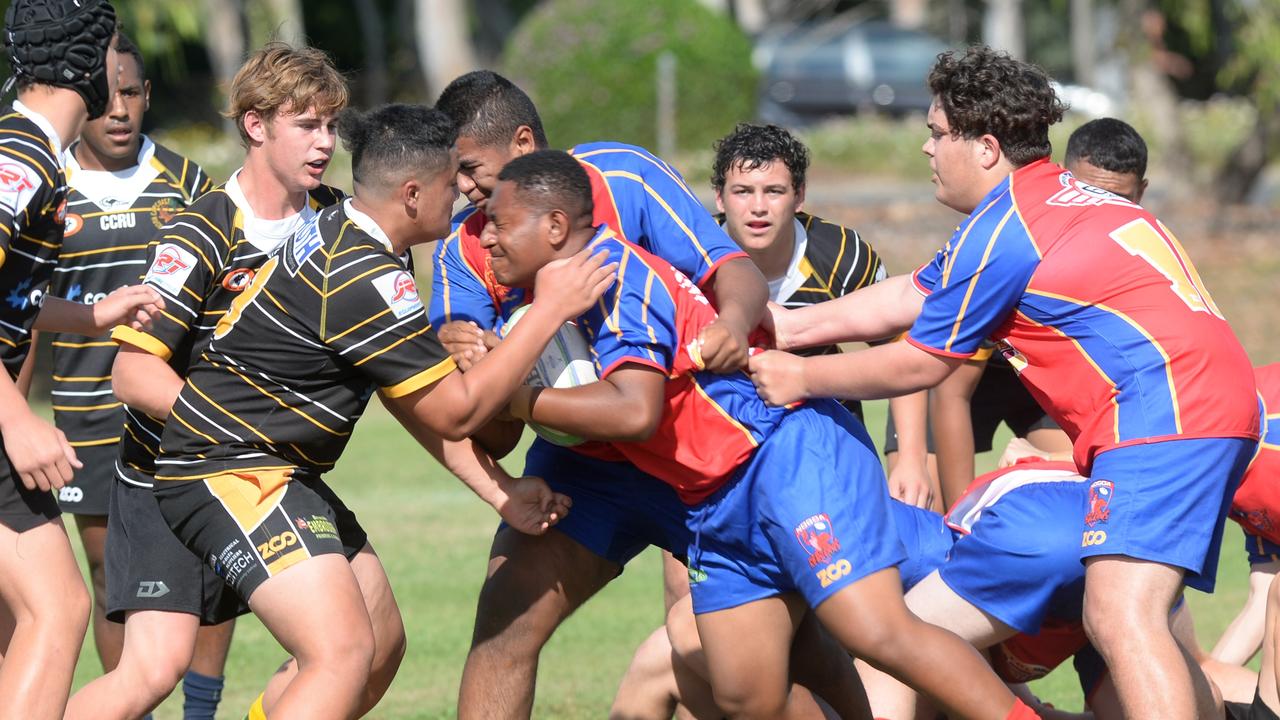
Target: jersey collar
45,126
368,225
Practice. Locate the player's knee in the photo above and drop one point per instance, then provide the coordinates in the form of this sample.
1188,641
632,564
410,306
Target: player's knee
743,701
511,619
157,675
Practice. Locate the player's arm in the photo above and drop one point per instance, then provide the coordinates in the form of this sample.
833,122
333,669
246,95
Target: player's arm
952,419
882,310
134,305
910,481
38,451
525,503
459,404
625,406
741,294
28,369
782,378
144,381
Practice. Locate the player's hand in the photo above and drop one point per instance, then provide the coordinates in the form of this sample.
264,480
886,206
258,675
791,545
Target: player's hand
133,305
570,286
466,342
722,348
531,506
910,482
1019,449
38,452
778,376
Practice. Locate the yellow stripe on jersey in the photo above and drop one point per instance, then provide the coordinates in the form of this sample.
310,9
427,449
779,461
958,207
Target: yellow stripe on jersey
94,443
674,216
32,162
95,343
421,380
278,401
86,408
41,243
973,282
60,378
353,328
392,346
225,411
141,340
100,251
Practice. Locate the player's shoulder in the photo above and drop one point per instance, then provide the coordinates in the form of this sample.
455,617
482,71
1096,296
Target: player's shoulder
25,149
609,154
824,236
324,196
1267,378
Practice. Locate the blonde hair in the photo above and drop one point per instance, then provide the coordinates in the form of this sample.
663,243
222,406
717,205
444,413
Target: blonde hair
279,78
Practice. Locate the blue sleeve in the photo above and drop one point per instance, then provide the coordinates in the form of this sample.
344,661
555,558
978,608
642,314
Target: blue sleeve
658,211
634,321
975,282
457,290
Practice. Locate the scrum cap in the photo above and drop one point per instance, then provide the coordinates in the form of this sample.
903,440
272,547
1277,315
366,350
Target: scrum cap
62,43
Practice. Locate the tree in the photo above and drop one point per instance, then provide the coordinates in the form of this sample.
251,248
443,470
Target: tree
444,42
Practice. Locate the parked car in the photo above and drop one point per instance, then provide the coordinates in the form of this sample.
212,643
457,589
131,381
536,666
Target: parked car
810,71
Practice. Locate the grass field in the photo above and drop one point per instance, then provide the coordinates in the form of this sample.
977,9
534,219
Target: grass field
433,536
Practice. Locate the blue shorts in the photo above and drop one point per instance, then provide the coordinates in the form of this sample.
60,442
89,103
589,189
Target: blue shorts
808,513
1165,502
618,510
1021,562
927,540
1260,549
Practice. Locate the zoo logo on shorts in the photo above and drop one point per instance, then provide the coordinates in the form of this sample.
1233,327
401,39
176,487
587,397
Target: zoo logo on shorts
1093,537
834,572
818,539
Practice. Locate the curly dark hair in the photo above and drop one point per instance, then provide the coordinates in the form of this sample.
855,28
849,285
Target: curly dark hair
1110,144
751,146
985,92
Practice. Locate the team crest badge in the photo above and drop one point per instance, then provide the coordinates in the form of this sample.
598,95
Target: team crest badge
818,538
163,211
72,224
238,279
1100,493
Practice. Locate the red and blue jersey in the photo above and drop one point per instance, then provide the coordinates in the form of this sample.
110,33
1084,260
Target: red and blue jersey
1097,307
711,424
1256,504
638,196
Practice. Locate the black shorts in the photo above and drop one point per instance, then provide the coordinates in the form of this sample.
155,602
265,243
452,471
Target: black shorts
247,535
148,568
999,397
22,509
1255,711
90,491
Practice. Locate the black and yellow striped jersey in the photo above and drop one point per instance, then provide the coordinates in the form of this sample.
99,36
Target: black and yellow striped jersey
111,217
33,192
329,319
200,263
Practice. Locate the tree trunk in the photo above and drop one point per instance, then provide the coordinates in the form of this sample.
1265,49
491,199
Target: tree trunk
224,39
373,39
444,42
287,22
1002,27
1083,50
1244,166
1155,99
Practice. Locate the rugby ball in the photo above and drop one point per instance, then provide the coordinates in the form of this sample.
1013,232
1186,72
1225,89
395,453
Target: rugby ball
566,362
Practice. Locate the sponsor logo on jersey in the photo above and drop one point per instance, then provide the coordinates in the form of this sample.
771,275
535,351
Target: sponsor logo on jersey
318,525
400,293
171,268
14,178
305,242
1077,193
117,221
163,210
1100,493
25,296
238,279
818,538
72,224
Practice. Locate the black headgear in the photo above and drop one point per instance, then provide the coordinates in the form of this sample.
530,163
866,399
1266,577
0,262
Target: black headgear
62,43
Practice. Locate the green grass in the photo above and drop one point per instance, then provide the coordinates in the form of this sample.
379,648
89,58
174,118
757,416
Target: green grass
433,535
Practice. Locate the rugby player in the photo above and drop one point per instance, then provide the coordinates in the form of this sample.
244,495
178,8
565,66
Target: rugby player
1106,153
122,187
1164,407
788,508
759,181
329,319
64,67
283,101
644,200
